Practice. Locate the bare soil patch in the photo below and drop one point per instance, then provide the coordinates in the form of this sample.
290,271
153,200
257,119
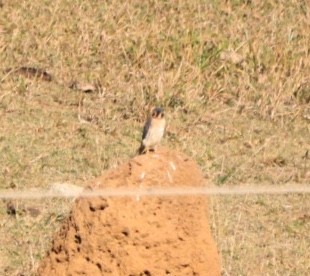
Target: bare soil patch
138,236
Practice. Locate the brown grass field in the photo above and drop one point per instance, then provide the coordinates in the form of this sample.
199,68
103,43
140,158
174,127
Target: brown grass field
233,77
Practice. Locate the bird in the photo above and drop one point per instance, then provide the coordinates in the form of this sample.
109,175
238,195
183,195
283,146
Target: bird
153,130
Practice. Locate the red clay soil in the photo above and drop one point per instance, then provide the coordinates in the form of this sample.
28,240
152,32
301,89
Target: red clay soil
138,236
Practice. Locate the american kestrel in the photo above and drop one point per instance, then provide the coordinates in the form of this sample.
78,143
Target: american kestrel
153,130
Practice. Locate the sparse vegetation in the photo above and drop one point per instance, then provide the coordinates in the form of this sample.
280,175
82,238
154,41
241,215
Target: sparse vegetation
232,76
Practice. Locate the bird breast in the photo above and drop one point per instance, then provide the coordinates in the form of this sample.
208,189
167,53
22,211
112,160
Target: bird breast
155,132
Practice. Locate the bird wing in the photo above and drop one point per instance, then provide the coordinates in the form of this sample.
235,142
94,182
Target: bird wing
146,127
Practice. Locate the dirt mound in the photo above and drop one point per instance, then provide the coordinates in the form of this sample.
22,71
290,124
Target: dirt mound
138,236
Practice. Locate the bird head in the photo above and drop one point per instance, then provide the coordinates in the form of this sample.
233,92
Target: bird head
158,113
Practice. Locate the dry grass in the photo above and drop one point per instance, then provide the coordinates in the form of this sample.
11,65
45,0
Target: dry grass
233,78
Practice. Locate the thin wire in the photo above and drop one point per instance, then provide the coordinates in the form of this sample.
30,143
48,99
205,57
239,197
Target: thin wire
155,192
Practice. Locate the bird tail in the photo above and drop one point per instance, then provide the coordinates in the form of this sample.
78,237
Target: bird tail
141,149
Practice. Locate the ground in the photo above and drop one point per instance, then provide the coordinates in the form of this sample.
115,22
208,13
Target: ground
233,78
138,235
